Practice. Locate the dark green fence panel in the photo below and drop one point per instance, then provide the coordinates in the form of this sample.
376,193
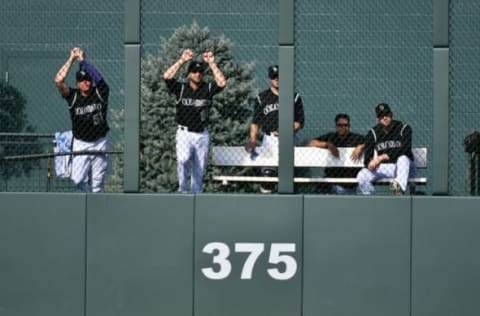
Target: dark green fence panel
356,256
445,256
125,254
248,255
140,254
42,254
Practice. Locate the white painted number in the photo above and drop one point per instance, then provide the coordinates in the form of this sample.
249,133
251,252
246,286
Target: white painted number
221,258
289,261
255,250
277,256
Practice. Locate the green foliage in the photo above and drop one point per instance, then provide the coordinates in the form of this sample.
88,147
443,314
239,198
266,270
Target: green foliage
13,120
114,183
229,114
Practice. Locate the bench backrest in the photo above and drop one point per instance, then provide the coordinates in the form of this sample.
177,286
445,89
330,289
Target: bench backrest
304,157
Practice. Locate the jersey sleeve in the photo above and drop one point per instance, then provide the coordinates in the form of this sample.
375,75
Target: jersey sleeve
214,88
92,71
71,94
406,141
369,147
173,85
257,111
104,90
324,137
299,115
359,139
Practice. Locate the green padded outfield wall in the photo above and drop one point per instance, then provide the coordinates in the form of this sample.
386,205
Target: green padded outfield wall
445,256
356,256
227,255
42,254
139,255
248,254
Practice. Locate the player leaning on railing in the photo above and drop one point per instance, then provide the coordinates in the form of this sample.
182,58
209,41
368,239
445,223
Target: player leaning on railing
87,104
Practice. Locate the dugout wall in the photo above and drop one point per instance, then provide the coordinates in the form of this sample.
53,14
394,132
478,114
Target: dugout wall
235,255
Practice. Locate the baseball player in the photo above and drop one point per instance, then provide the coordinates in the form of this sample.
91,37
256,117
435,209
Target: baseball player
87,104
265,117
392,142
342,137
193,99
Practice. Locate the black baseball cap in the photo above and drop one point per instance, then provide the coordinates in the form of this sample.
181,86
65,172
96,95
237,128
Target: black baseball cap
382,109
195,66
273,72
83,75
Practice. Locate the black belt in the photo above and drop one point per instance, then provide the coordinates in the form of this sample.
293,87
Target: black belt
188,129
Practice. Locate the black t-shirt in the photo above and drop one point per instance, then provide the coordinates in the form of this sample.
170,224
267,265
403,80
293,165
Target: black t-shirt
266,111
351,140
89,113
193,105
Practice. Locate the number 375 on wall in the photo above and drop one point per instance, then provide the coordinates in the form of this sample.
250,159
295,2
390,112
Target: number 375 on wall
284,265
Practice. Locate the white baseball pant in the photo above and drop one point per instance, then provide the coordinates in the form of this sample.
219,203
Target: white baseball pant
192,158
86,166
399,171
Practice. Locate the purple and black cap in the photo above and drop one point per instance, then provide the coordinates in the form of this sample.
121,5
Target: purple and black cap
82,75
196,66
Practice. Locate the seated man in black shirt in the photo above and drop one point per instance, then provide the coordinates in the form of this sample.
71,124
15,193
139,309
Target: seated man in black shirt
342,137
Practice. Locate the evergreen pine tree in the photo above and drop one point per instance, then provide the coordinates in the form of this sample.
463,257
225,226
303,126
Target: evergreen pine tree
230,112
13,120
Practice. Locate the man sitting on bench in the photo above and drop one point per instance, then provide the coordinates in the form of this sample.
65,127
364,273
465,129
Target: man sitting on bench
342,137
392,141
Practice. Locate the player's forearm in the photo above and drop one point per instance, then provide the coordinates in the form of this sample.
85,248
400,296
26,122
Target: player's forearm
296,126
359,148
253,133
318,143
218,75
63,72
173,69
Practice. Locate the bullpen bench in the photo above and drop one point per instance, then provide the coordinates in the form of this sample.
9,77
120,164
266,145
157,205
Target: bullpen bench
310,157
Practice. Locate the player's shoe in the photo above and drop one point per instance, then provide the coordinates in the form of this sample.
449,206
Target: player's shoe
268,187
395,188
265,190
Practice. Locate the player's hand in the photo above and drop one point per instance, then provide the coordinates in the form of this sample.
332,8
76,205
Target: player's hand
357,152
187,55
333,149
250,147
373,164
80,54
208,57
74,53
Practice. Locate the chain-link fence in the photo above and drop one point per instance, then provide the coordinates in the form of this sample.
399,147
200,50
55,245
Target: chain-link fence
464,115
183,120
349,58
222,136
36,41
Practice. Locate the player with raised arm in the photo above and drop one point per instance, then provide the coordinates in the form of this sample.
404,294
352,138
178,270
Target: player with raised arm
193,100
87,104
